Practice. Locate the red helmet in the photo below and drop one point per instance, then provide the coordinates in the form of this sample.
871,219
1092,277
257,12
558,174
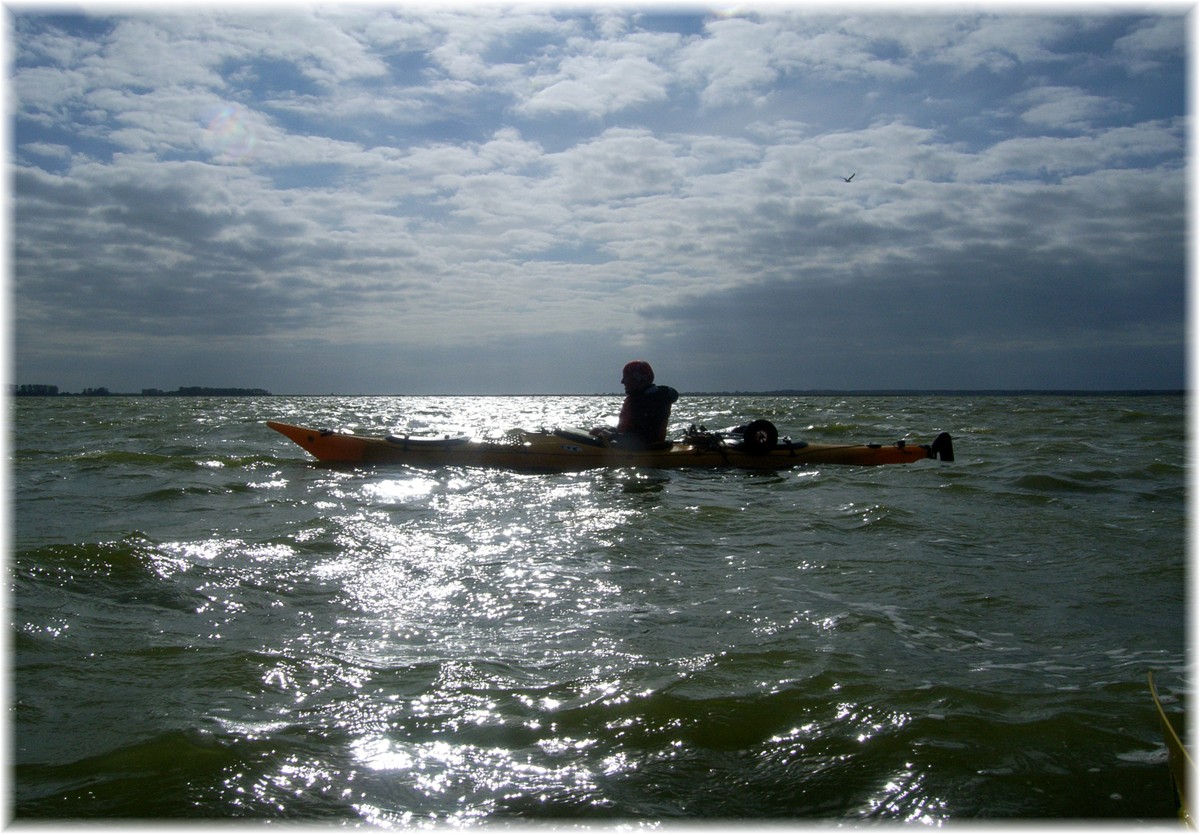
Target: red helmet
638,374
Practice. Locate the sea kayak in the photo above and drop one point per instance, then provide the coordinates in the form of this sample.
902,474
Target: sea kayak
564,450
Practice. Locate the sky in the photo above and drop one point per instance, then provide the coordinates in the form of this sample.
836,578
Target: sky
464,199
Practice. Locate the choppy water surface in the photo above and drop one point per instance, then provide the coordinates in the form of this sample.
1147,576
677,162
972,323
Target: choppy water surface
205,623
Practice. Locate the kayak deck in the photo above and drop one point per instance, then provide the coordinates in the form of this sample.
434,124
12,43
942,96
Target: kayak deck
568,450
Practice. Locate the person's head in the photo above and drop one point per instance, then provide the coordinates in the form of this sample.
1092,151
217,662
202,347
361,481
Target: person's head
637,375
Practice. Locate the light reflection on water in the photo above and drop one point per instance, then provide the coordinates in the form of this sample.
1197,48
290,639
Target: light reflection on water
904,797
514,569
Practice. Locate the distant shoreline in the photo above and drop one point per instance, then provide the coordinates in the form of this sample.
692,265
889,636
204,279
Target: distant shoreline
42,390
954,392
197,391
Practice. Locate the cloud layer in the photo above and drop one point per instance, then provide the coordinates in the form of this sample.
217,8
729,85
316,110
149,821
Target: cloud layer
378,199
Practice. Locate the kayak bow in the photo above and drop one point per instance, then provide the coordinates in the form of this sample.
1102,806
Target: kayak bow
1178,761
566,450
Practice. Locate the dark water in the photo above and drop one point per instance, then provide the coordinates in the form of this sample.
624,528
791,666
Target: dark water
206,624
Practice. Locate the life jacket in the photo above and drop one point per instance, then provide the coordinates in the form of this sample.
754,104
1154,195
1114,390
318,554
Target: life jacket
644,416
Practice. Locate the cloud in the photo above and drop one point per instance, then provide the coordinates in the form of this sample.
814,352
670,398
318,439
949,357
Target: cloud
1119,147
1000,43
1064,108
604,77
1150,44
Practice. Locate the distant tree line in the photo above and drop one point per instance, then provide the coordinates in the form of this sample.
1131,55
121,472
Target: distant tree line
42,390
203,391
35,391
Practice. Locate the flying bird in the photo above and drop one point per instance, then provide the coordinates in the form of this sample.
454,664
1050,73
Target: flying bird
851,177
